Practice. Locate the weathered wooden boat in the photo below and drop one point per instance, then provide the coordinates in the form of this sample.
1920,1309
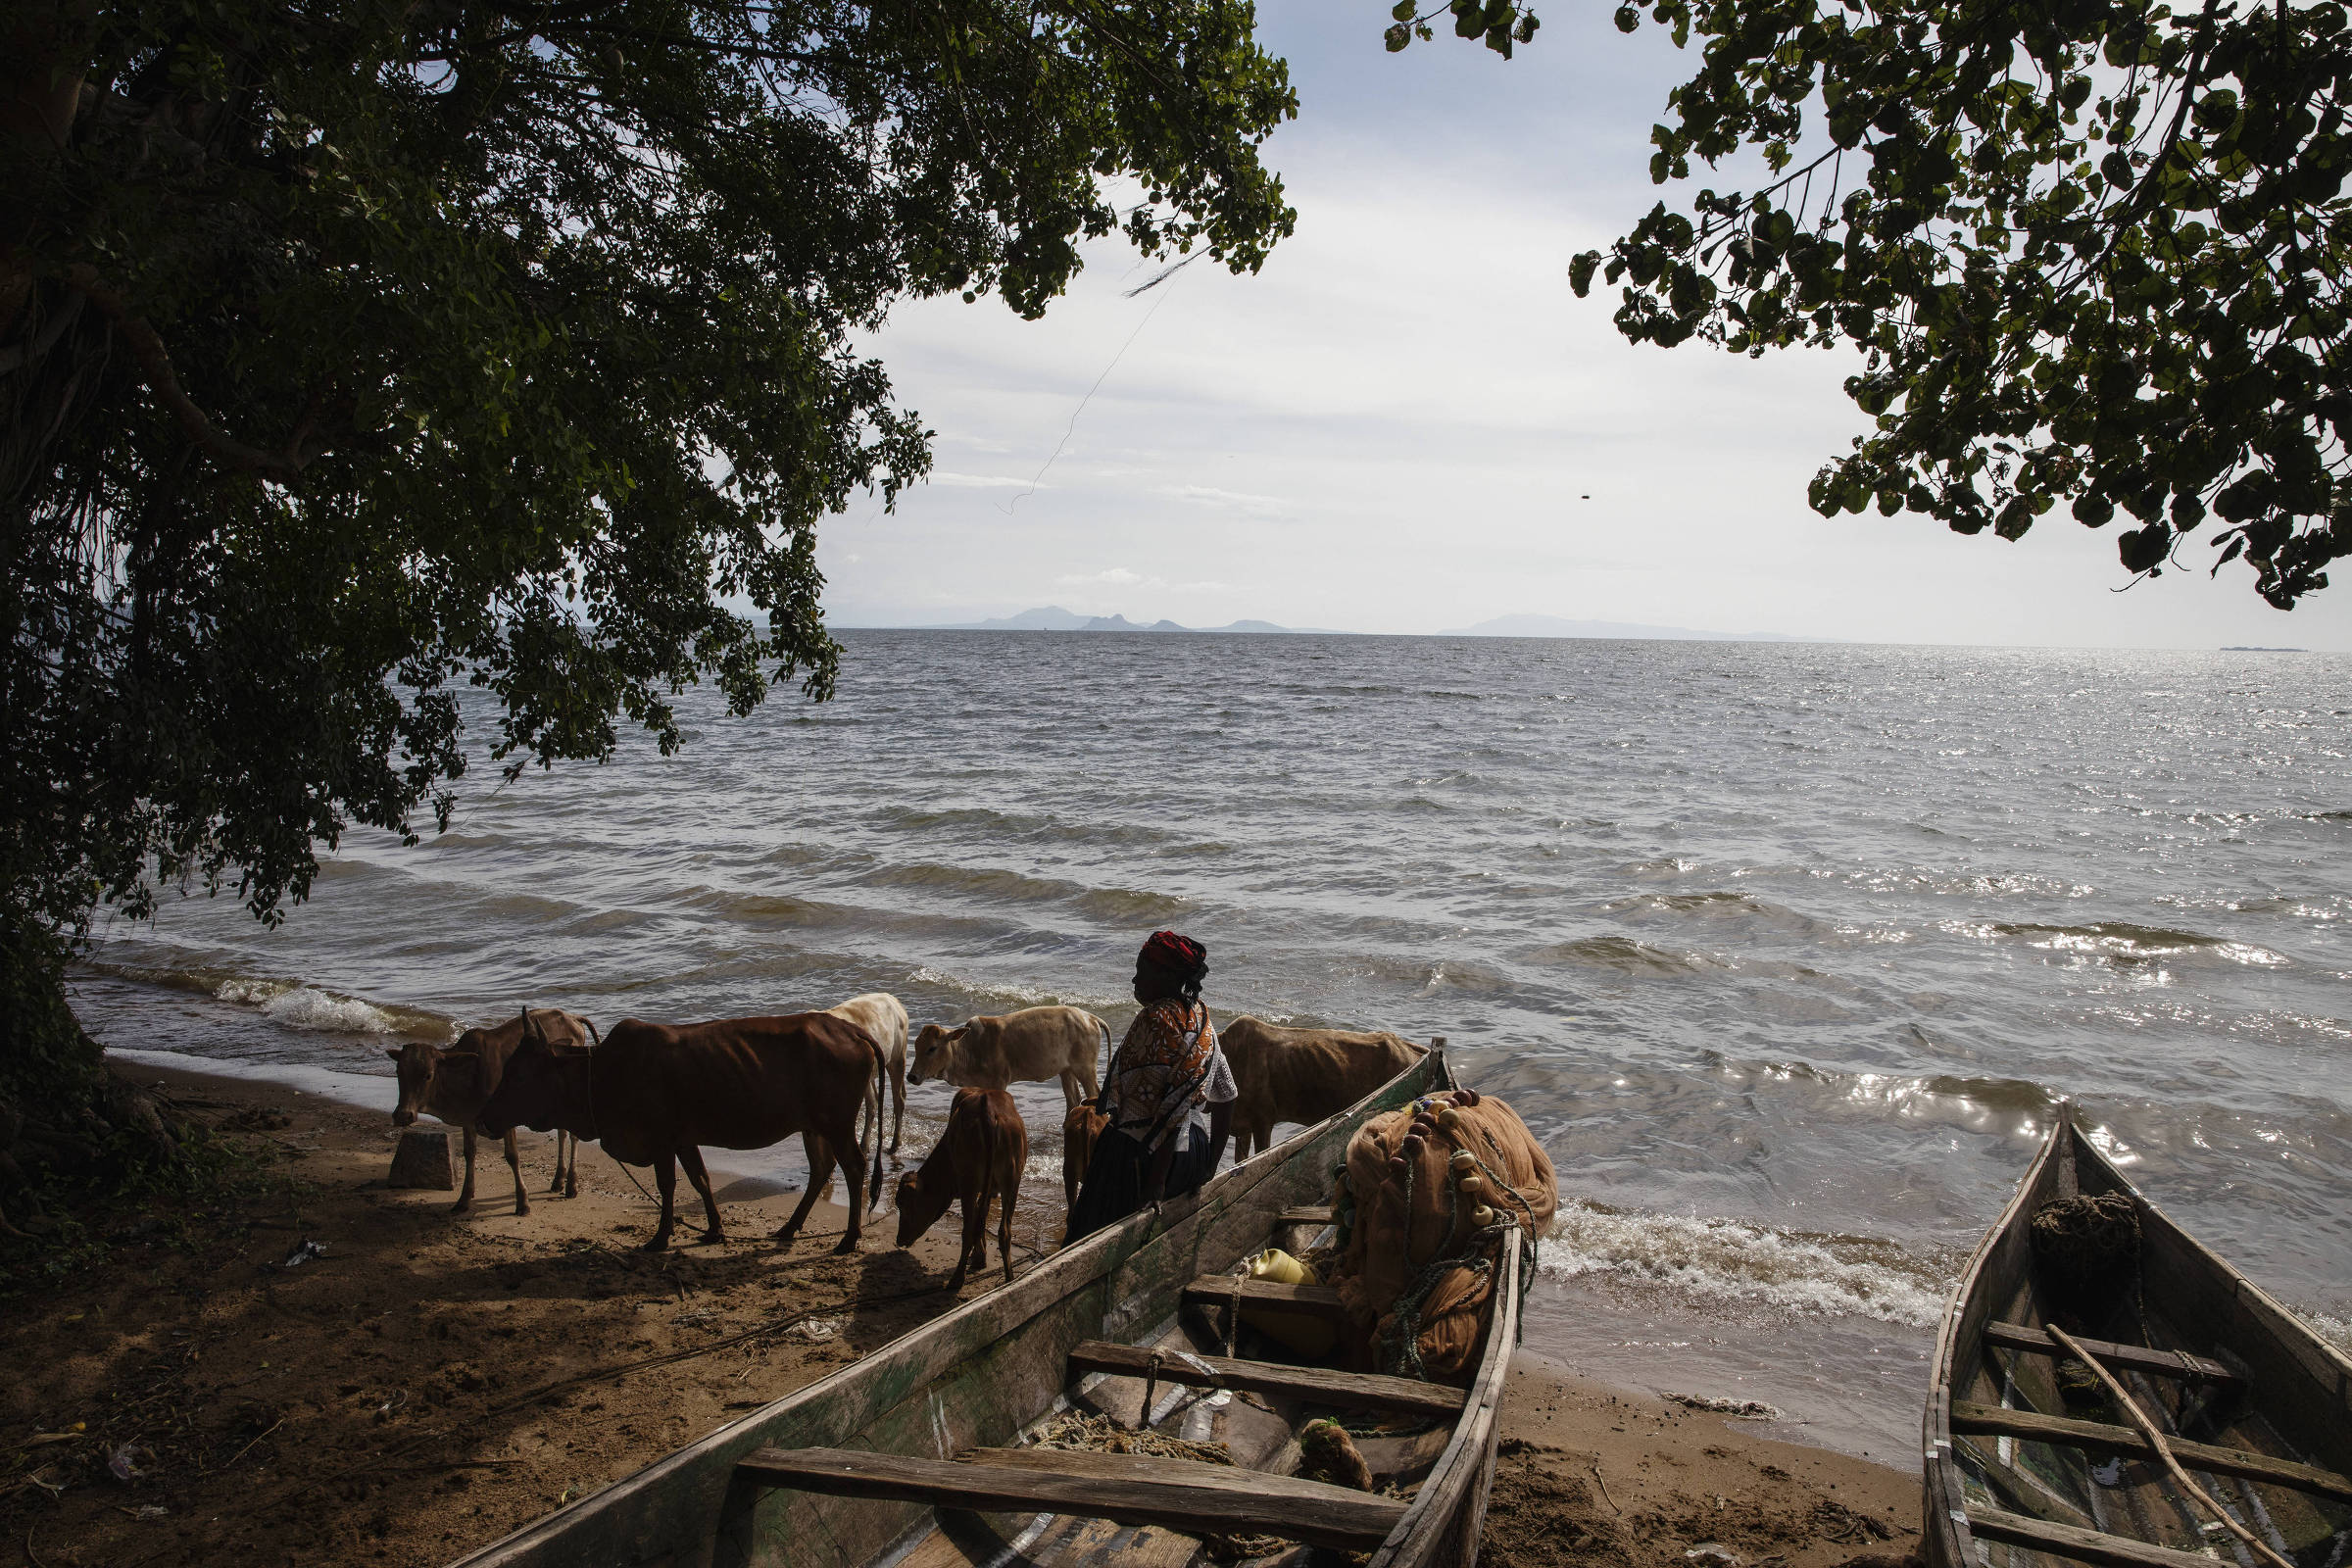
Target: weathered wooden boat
2255,1408
913,1457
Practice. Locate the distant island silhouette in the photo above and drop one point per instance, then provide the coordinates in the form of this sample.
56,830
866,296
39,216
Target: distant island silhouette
1053,618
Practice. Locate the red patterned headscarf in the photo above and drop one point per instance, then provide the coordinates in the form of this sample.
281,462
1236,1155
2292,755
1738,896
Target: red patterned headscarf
1177,955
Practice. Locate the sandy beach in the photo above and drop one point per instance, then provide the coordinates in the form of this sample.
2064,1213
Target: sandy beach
428,1382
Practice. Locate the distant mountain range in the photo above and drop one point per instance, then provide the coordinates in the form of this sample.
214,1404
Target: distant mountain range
1053,618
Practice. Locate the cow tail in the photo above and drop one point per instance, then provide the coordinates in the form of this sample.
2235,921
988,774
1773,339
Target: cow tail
873,1099
596,1042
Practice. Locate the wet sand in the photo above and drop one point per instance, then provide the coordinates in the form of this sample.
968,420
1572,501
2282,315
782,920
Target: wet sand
432,1381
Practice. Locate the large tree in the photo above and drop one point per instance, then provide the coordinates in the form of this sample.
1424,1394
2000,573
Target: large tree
2092,252
353,351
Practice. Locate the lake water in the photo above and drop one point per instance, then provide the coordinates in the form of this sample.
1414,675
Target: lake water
1787,952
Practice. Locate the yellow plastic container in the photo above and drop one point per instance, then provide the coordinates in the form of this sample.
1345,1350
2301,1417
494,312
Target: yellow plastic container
1307,1335
1282,1268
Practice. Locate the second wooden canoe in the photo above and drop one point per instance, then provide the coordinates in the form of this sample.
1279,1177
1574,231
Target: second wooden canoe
2023,1472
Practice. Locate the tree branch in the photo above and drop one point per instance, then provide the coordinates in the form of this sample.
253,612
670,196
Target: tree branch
154,366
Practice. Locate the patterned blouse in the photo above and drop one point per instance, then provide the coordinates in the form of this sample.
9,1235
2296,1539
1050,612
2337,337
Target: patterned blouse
1161,1070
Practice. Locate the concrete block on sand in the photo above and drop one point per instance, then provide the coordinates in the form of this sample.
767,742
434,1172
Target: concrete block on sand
422,1160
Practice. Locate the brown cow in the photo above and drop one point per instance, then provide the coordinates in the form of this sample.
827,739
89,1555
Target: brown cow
653,1094
1304,1075
452,1085
1034,1045
980,1156
1078,1134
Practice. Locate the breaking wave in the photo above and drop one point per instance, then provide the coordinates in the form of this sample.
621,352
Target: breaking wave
1726,1263
2120,942
299,1006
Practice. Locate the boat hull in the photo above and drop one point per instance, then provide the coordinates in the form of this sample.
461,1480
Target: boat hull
981,1374
2015,1479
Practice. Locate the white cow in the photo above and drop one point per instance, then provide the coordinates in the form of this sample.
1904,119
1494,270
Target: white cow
1034,1045
880,1014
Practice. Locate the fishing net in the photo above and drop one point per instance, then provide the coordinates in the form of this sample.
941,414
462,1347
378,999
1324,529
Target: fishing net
1428,1197
1100,1434
2088,1248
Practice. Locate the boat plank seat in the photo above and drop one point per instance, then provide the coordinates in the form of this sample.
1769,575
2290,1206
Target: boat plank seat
1219,1289
2082,1546
2134,1357
1998,1421
1348,1391
1305,1216
1190,1495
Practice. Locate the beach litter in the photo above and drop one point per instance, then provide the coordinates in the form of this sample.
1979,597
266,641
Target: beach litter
123,1463
303,1251
818,1330
392,1406
1742,1410
1713,1553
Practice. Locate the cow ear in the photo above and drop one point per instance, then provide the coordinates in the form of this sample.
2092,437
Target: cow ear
461,1054
392,1052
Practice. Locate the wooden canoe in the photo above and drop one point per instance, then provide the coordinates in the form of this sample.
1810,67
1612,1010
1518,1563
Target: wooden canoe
2256,1408
913,1457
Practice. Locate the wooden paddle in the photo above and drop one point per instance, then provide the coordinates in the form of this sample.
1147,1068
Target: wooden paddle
2163,1451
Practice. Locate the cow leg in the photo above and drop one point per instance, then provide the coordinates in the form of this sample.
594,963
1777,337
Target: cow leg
1004,1229
522,1199
975,1235
1069,1091
898,1095
692,1159
465,1193
665,1182
853,1171
555,1184
1086,1076
572,1168
820,1180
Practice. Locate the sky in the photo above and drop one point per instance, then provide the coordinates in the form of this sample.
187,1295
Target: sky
1407,423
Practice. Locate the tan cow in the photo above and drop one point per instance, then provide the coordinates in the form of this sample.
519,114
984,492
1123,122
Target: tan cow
880,1014
453,1083
1034,1045
1304,1075
652,1094
979,1156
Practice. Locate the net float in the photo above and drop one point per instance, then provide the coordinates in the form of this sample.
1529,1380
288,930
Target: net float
1463,1161
1481,1216
1397,1167
1469,1187
1411,1147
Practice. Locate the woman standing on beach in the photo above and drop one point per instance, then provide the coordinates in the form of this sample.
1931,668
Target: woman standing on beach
1169,1093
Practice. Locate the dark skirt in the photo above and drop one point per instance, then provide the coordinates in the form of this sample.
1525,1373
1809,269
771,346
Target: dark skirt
1113,1186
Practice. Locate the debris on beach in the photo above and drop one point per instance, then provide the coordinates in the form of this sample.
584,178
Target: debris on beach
1742,1410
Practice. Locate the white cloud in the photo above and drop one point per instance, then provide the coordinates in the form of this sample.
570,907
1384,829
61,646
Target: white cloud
983,481
1227,500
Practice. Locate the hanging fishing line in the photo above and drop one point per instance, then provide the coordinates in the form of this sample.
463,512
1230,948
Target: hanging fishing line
1068,431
